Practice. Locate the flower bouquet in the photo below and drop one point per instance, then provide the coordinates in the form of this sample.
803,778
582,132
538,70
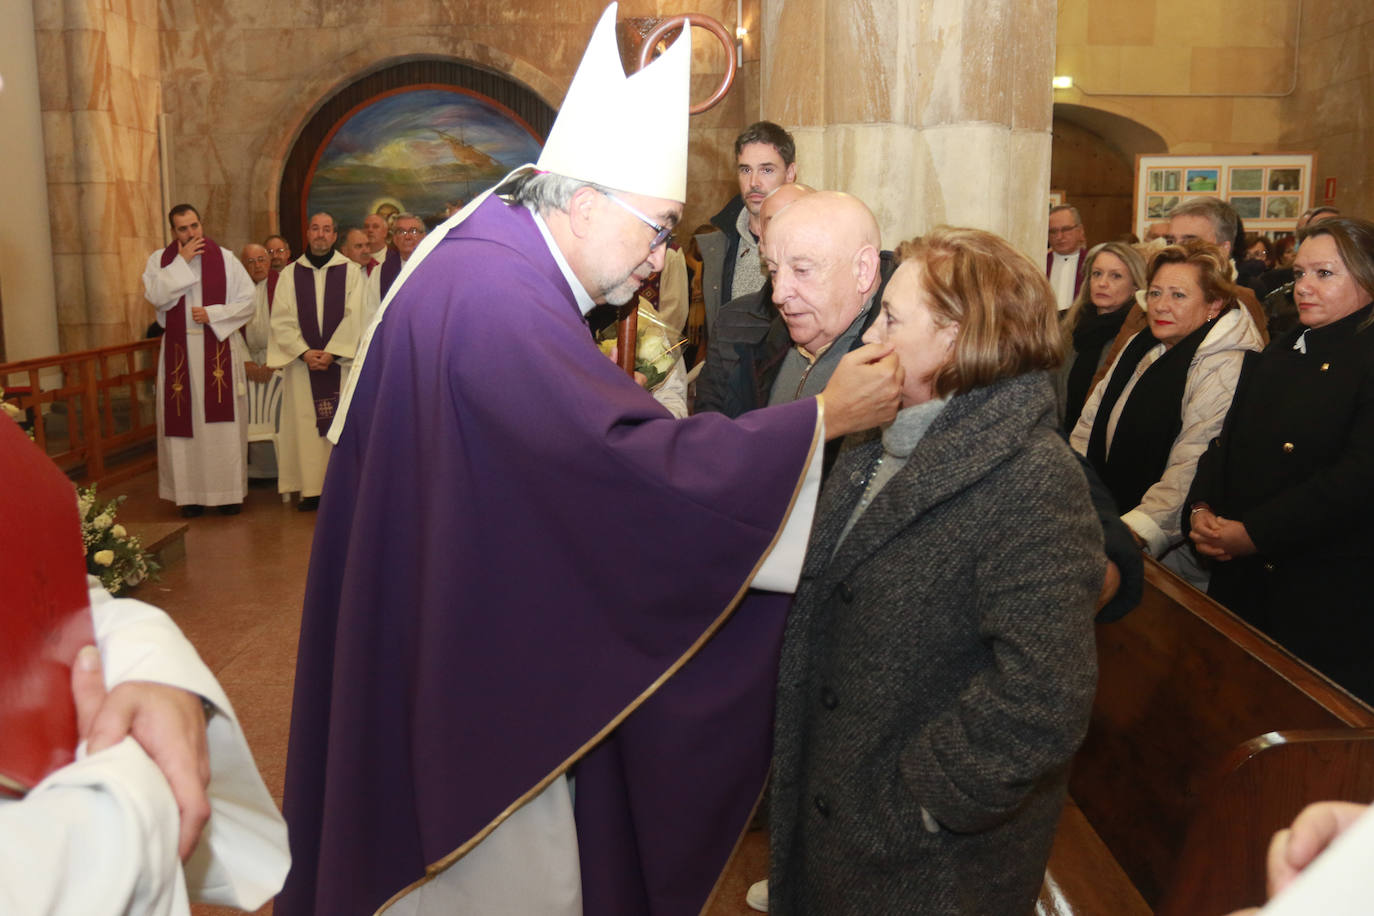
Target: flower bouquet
656,348
112,553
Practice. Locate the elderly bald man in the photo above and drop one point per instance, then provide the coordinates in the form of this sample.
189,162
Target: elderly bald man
822,251
258,262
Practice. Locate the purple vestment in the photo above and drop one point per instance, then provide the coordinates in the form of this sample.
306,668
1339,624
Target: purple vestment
516,545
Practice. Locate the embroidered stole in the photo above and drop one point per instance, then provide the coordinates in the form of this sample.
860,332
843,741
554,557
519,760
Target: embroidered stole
218,381
324,386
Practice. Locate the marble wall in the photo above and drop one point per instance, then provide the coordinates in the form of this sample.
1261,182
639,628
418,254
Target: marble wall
99,82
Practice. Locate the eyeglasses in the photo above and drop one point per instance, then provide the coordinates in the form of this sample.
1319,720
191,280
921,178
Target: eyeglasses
413,230
279,251
662,234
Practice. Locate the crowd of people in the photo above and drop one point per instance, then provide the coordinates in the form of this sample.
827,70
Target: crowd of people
911,481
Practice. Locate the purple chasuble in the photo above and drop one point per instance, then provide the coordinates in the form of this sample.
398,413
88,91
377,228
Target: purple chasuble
324,386
217,384
391,269
524,564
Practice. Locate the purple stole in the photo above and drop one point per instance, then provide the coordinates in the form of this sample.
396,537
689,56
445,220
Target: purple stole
218,381
273,275
324,386
391,269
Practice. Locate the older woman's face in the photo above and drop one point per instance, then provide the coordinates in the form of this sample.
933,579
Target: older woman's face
1109,283
1323,287
1177,305
906,321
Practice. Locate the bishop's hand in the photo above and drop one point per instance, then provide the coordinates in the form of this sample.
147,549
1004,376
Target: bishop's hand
864,392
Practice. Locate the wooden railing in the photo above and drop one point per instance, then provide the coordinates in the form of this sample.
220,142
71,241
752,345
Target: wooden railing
98,424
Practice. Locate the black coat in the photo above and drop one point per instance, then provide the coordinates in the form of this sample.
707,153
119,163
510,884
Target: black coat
1295,464
942,658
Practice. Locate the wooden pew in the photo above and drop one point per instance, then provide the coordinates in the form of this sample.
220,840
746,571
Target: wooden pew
1205,738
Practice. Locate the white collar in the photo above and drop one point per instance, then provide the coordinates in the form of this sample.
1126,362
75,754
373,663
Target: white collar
584,298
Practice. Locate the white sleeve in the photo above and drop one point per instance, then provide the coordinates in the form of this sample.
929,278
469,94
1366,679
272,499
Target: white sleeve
1206,399
98,836
164,286
781,569
238,307
242,857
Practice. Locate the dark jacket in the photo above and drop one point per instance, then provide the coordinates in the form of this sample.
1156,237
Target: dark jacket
943,659
1295,464
718,254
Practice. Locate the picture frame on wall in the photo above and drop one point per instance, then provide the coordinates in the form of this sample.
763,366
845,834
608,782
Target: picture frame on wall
1268,191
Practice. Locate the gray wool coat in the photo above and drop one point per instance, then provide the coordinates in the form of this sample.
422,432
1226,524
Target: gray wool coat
943,658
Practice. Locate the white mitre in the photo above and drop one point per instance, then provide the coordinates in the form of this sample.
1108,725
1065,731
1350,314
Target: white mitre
590,138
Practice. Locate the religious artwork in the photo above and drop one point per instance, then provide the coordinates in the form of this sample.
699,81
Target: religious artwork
1268,191
421,150
1057,198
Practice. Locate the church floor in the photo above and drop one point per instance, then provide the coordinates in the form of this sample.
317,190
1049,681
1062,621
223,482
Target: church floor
237,596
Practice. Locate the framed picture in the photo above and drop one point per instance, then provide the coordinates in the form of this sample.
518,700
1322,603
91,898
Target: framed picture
1057,198
1202,179
1248,207
1268,191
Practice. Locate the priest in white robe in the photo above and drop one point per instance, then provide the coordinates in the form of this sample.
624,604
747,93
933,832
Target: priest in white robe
202,462
315,328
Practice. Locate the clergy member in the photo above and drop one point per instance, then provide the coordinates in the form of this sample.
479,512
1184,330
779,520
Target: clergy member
262,456
530,568
383,265
314,333
280,250
202,296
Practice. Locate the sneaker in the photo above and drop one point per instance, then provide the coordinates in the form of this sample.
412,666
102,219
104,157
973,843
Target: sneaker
757,898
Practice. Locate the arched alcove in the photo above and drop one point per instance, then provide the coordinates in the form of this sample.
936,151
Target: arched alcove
1093,162
506,94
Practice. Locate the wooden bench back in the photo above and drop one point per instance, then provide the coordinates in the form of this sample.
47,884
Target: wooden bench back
1187,691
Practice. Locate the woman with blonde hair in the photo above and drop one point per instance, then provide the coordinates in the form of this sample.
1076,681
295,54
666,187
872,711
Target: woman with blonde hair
1112,274
938,665
1145,424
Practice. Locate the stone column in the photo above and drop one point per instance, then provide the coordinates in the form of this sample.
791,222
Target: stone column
101,93
931,111
27,302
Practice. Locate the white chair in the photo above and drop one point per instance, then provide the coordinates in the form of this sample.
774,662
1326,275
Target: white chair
264,415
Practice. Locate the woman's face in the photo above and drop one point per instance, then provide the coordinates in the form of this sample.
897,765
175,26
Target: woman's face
1256,252
1289,253
1177,305
1323,288
923,348
1109,283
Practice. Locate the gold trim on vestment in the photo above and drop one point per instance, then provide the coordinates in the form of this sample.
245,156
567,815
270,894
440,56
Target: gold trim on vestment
434,868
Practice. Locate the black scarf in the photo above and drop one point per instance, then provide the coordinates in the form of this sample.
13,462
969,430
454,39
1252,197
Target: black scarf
1093,332
1150,421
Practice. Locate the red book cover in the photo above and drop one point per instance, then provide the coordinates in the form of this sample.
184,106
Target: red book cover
45,614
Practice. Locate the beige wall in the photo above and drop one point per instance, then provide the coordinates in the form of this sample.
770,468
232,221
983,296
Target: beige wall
1332,111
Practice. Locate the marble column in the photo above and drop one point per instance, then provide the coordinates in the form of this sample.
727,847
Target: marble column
100,85
27,301
931,111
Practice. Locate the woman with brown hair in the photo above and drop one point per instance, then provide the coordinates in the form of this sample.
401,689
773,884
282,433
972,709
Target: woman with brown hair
1145,424
938,665
1282,500
1112,273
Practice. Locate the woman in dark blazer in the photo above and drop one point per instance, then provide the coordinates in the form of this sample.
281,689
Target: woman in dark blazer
938,666
1282,499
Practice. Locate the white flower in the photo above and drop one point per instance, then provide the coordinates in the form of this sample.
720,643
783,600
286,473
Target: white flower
103,557
83,504
103,521
14,412
133,578
120,532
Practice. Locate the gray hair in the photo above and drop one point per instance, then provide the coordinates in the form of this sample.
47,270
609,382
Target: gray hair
401,216
545,192
1225,222
1059,208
